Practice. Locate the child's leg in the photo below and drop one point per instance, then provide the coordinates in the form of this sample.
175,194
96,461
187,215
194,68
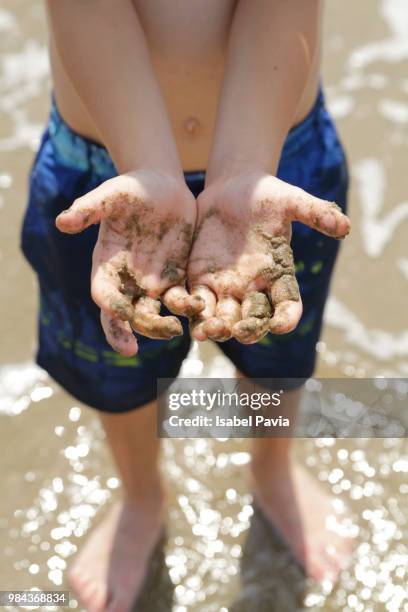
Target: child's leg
111,566
134,444
73,349
314,160
295,502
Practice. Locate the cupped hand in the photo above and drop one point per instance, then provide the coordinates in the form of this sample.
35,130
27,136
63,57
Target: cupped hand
241,263
140,258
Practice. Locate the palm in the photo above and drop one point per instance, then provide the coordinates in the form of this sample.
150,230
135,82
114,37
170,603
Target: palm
241,262
140,258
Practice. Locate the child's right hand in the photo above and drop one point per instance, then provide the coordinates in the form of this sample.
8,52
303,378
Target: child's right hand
146,228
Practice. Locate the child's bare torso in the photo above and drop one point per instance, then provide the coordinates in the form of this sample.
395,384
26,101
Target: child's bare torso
187,42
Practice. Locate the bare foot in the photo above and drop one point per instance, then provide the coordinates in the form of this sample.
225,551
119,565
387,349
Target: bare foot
110,569
304,515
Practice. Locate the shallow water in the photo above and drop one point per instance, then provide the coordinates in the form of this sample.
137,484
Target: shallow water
219,555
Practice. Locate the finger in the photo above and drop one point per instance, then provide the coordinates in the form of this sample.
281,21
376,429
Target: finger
321,215
229,309
227,313
180,302
148,322
250,330
256,312
256,304
119,335
85,211
282,258
106,294
287,304
197,323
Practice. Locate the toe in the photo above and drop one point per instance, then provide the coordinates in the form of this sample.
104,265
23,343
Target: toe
99,599
323,562
316,567
94,598
77,578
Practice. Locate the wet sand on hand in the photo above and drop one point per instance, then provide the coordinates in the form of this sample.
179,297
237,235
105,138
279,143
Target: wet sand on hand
57,474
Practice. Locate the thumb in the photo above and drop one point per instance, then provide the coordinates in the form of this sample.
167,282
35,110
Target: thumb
321,215
85,211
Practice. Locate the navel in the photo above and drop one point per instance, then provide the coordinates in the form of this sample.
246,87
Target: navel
192,126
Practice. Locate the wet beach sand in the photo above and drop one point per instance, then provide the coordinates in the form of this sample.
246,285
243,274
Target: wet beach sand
219,555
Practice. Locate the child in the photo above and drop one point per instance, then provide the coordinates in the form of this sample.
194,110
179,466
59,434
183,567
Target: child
149,94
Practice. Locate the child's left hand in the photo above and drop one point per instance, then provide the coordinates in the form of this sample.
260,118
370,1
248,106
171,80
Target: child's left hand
241,262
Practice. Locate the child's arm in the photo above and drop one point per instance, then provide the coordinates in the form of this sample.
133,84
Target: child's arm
272,50
272,47
147,214
103,49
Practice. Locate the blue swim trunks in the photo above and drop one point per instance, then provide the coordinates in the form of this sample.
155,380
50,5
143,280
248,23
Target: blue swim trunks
72,346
